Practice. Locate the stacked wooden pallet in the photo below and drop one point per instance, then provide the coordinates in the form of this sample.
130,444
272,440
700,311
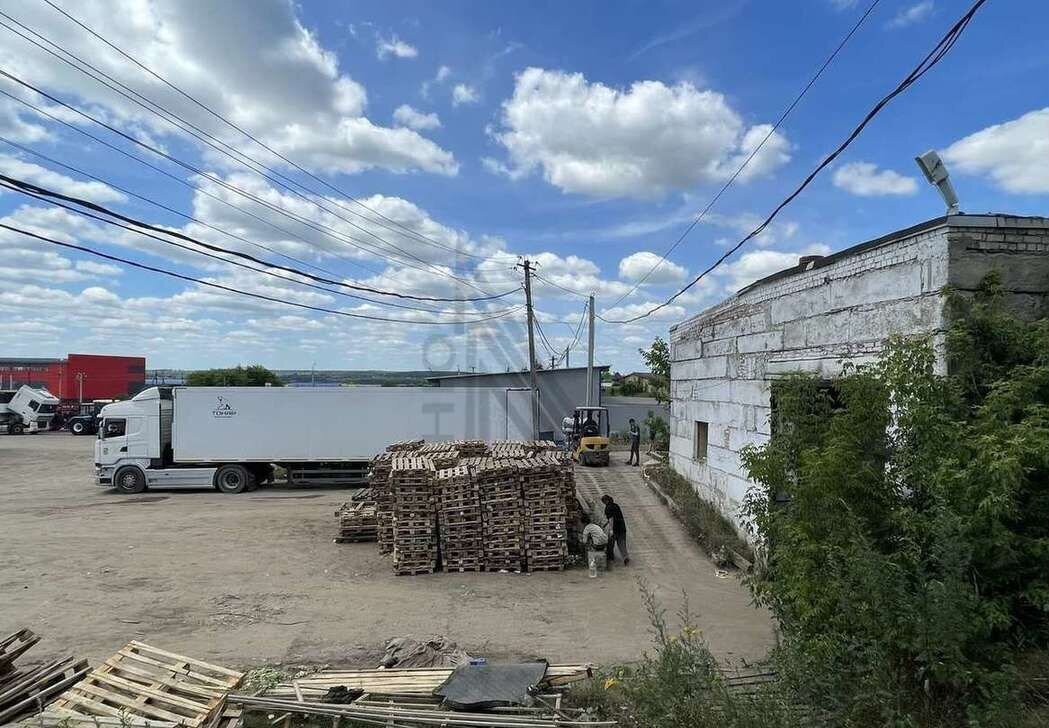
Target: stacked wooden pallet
28,690
502,514
459,520
414,516
541,446
143,686
471,448
404,446
358,519
379,481
509,450
545,522
444,459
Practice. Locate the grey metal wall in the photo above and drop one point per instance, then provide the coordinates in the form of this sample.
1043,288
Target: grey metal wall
560,391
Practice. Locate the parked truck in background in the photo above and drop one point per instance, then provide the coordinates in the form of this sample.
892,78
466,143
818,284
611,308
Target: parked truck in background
26,410
233,438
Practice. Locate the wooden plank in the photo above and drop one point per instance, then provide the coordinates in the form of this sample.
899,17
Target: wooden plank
218,683
181,658
135,706
158,695
122,668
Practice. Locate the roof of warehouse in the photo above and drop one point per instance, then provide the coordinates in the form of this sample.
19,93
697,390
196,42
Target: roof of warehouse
990,219
465,375
28,360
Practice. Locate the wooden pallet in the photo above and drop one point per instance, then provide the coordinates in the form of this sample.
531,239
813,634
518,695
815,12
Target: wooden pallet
145,686
28,690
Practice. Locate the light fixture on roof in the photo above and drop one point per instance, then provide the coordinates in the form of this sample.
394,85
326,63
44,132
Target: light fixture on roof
936,172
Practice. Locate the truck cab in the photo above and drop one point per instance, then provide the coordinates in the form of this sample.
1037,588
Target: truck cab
131,439
26,409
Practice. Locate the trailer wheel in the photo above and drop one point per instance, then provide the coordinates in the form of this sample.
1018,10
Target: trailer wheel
233,479
16,429
129,480
77,428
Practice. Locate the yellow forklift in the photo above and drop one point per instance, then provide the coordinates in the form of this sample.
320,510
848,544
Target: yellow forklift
586,433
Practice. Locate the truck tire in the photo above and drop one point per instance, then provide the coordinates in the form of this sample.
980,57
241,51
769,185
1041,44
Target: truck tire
233,479
129,480
16,429
78,428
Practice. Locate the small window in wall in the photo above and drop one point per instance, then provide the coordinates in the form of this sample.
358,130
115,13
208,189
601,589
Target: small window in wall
699,440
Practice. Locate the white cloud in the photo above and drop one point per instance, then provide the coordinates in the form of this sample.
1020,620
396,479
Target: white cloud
641,142
442,74
644,263
757,264
912,14
673,312
866,180
464,94
394,46
406,115
255,64
44,177
1013,154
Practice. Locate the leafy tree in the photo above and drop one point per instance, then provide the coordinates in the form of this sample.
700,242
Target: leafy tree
254,375
905,521
657,357
658,431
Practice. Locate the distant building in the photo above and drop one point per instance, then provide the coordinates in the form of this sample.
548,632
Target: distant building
87,376
560,391
821,313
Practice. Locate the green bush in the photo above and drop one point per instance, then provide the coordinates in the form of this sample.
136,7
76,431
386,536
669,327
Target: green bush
905,522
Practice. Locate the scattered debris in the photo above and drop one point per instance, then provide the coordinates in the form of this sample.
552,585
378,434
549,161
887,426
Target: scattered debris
434,651
144,686
28,690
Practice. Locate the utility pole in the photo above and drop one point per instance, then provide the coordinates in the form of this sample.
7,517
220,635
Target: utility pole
568,364
80,377
527,265
313,371
552,364
590,355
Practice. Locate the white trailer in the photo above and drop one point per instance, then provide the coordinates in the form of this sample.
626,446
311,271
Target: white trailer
232,437
26,409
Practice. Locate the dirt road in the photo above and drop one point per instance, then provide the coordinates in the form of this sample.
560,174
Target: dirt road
255,578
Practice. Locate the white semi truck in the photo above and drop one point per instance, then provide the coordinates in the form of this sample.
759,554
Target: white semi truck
231,438
26,410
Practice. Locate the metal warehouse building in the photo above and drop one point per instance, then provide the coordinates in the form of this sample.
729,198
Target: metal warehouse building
822,313
79,376
560,391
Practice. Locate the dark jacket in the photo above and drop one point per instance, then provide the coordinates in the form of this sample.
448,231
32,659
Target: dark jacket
615,514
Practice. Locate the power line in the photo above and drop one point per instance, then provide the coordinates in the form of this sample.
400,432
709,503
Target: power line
557,285
231,289
933,58
234,126
5,184
750,157
210,140
43,191
319,227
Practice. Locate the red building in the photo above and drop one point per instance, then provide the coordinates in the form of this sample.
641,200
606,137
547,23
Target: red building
80,376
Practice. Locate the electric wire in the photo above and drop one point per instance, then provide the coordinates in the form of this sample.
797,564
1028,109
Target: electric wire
337,235
210,140
933,58
7,185
234,126
231,289
45,192
758,148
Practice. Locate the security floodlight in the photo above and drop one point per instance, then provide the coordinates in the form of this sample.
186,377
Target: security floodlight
936,172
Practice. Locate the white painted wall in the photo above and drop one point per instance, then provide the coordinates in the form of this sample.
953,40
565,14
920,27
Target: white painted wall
723,360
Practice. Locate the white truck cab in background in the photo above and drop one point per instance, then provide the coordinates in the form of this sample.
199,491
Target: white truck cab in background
231,438
26,410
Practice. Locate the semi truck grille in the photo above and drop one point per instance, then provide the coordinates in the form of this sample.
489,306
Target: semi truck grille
41,422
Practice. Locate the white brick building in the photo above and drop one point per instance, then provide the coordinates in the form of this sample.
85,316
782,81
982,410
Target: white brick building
817,315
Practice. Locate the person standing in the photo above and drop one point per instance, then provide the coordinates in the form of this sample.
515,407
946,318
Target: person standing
635,444
617,537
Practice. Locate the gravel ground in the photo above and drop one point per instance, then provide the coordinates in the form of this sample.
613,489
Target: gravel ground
255,578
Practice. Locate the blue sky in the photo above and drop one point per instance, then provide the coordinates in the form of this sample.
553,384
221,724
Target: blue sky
585,135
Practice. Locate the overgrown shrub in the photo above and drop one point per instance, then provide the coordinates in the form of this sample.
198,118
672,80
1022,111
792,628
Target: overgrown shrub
905,521
680,685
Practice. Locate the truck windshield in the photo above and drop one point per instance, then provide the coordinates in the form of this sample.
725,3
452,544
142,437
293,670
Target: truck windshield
47,409
113,427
